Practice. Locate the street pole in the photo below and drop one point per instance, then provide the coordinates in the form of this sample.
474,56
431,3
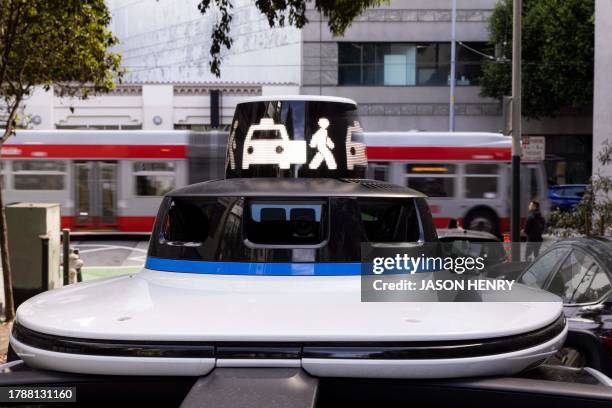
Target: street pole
451,107
515,227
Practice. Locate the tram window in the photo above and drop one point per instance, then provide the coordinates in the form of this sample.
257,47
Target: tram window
39,174
154,185
153,166
388,221
482,168
433,186
432,179
302,222
380,173
154,178
481,180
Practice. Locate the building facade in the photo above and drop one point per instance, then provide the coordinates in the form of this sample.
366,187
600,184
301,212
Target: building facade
394,61
602,93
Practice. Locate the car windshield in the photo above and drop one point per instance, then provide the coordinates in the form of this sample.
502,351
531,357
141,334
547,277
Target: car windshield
284,229
539,272
266,135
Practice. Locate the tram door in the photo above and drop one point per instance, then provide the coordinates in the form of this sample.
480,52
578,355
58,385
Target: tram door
95,194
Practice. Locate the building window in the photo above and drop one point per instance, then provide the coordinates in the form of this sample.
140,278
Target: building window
432,179
39,174
481,180
154,178
408,64
99,127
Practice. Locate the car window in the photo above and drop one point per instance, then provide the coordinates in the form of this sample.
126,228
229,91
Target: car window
577,192
387,221
599,287
491,250
291,222
537,274
580,279
266,135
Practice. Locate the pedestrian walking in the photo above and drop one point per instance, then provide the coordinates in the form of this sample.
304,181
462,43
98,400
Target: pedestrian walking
452,224
534,228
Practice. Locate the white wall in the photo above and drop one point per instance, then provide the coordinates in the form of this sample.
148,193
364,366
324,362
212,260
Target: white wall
157,105
39,107
169,41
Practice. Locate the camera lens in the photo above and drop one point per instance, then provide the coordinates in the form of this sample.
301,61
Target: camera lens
303,226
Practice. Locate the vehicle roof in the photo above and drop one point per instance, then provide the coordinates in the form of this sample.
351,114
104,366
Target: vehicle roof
567,185
295,187
306,98
464,233
97,137
600,246
459,139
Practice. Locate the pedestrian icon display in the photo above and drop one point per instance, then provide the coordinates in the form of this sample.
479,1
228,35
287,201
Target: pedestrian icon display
296,136
324,145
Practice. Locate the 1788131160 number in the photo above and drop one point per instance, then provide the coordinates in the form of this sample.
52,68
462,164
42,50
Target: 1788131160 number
37,394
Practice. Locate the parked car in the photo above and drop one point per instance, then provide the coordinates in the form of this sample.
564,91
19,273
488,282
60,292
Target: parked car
462,242
579,270
566,196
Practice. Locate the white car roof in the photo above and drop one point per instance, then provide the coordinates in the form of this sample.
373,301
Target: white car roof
307,98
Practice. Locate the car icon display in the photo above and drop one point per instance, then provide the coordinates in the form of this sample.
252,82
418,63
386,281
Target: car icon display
355,151
268,143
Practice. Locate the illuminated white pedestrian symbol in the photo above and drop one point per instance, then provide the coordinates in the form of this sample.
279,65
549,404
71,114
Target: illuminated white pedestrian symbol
355,151
323,144
232,146
269,143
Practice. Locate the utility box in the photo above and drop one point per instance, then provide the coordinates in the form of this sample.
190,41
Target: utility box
34,248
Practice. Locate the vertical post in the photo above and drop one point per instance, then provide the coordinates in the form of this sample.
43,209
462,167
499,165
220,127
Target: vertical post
9,303
451,107
515,227
215,108
44,239
65,255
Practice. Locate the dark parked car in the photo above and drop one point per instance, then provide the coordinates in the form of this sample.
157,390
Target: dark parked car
462,242
566,196
579,270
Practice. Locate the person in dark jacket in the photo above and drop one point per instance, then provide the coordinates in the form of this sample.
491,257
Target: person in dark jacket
534,228
452,224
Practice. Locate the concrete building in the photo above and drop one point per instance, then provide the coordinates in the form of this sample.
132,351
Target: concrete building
602,96
393,60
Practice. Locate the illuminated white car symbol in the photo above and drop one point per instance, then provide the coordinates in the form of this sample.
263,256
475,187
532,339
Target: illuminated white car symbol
355,151
232,146
276,149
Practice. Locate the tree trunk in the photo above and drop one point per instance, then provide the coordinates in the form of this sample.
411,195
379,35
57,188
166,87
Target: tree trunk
9,305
